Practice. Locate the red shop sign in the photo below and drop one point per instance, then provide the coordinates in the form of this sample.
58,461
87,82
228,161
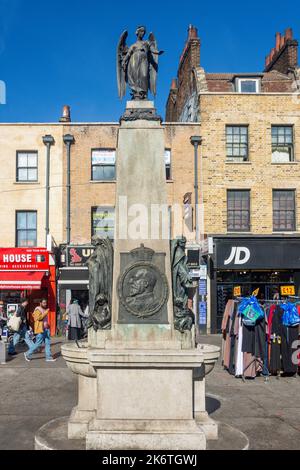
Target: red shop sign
24,259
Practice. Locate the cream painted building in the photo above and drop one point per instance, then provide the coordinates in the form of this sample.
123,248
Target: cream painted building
23,184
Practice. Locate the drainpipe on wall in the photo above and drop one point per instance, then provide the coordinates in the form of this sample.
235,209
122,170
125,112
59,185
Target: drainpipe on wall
48,140
68,140
196,140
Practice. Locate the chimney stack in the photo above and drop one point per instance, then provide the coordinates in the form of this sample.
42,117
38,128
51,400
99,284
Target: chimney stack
66,114
284,56
192,32
289,34
174,84
278,41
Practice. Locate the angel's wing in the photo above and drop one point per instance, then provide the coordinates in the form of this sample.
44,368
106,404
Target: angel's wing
121,51
153,64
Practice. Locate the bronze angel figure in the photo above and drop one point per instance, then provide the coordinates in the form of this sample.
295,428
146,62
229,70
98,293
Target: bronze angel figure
137,65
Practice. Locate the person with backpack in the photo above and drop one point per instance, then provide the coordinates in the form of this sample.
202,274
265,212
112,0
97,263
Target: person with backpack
20,327
42,330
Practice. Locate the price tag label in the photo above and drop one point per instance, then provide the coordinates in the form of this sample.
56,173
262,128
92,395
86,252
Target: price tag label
287,290
237,291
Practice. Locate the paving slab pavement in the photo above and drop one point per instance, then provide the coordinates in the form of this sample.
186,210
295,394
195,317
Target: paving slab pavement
268,412
34,393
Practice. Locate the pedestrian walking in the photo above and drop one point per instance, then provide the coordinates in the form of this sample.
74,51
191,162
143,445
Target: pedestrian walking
42,330
75,316
23,332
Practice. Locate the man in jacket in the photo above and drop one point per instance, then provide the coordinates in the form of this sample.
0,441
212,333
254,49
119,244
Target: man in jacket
23,332
42,330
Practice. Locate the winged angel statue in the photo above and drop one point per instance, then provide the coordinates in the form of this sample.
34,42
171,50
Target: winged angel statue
137,65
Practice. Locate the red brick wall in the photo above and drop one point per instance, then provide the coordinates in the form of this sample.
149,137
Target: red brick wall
190,59
285,58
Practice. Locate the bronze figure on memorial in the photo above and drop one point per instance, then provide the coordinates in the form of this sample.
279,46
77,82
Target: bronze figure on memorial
137,65
100,284
181,279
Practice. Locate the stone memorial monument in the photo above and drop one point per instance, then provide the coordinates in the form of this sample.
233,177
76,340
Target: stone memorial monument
141,377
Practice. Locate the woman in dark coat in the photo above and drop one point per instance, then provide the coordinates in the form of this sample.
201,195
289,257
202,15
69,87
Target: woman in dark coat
74,321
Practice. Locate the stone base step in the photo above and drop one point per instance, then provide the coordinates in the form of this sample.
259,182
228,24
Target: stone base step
53,436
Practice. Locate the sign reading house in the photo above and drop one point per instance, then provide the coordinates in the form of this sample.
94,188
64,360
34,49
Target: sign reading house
257,253
24,259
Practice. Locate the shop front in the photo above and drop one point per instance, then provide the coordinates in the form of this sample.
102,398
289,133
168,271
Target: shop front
30,273
73,281
198,292
239,266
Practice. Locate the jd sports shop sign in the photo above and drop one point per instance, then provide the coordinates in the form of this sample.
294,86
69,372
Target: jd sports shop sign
262,253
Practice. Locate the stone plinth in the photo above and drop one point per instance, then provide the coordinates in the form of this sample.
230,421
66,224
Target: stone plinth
141,383
127,396
145,401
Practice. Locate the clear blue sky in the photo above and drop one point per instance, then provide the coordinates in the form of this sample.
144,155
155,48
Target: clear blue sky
63,51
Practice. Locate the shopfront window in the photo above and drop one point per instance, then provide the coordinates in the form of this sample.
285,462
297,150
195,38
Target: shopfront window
103,165
103,221
238,211
284,210
26,228
268,284
9,302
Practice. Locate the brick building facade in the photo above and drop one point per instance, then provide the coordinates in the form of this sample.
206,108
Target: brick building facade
93,190
250,129
249,177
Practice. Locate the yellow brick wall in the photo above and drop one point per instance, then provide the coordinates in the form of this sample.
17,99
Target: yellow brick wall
85,194
259,175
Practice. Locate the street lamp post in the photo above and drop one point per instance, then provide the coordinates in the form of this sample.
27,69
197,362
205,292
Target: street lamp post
68,140
196,140
48,140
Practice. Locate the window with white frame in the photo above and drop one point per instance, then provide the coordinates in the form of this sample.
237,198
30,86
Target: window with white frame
27,166
248,85
103,165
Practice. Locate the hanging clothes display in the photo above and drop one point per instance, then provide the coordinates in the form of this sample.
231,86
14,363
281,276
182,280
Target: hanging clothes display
260,339
225,332
239,360
233,340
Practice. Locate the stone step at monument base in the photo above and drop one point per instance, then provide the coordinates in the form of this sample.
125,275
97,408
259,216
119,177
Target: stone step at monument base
54,436
146,441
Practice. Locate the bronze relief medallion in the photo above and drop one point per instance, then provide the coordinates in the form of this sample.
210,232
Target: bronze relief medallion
143,289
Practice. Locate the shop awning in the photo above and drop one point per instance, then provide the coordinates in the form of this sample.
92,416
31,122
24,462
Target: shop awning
21,280
73,278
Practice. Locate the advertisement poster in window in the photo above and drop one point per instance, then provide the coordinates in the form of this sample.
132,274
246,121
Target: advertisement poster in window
104,222
11,310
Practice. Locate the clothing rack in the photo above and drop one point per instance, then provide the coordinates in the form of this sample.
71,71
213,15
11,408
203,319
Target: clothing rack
261,361
272,302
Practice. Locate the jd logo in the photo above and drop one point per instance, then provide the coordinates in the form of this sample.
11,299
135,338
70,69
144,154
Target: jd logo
239,255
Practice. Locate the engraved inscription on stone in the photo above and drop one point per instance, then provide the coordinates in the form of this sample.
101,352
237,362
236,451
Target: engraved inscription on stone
143,287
